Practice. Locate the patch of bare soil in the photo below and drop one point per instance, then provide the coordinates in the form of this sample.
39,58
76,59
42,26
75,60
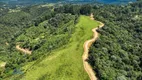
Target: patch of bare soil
86,46
26,51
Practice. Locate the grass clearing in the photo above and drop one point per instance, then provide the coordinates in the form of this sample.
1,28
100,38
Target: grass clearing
65,63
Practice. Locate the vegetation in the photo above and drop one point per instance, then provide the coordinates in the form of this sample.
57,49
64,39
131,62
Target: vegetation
65,62
116,55
55,35
38,33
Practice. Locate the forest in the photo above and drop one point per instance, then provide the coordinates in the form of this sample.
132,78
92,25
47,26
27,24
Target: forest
116,55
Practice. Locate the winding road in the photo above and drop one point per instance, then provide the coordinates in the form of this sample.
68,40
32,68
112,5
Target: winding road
86,46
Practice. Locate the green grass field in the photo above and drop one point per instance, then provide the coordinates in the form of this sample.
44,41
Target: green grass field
65,63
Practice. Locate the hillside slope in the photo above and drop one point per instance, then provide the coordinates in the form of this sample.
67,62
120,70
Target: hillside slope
65,63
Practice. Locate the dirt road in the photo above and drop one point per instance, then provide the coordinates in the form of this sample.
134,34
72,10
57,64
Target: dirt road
26,51
86,46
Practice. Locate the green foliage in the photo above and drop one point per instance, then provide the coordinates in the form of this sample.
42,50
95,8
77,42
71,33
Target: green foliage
116,55
40,39
56,42
75,9
20,27
15,18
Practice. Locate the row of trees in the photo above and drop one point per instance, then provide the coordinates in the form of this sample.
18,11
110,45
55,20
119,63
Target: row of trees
75,9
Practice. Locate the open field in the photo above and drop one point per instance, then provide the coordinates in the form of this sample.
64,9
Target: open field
65,63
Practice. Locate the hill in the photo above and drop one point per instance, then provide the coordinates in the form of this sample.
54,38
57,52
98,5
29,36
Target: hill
54,35
66,61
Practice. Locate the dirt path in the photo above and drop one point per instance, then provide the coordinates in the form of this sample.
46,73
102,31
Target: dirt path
26,51
6,43
86,46
2,65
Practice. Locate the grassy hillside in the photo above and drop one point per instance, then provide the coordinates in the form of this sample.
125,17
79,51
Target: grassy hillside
65,63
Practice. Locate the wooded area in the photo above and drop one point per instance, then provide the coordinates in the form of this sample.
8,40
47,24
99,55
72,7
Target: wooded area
117,54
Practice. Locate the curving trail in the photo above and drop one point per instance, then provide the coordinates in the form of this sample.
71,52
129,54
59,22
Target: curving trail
26,51
86,46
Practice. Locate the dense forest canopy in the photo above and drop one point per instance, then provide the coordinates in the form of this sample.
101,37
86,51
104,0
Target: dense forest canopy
116,55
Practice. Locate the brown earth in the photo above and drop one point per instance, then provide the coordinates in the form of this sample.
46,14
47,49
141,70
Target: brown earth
26,51
2,65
